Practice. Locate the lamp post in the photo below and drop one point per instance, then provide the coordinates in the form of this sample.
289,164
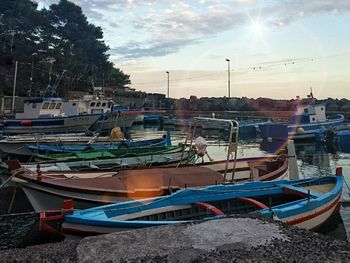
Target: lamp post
168,84
31,75
228,78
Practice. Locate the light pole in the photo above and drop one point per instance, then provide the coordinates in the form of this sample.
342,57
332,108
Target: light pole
168,84
31,75
228,78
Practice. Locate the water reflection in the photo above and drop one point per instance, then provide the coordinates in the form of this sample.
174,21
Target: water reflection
334,228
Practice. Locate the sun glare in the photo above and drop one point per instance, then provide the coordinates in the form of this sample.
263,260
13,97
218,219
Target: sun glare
257,28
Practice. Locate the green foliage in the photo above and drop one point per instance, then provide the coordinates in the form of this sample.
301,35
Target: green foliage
61,32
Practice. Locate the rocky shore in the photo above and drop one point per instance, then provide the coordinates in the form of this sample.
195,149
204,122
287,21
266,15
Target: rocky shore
235,239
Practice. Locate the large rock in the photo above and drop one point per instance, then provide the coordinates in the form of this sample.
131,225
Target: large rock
178,243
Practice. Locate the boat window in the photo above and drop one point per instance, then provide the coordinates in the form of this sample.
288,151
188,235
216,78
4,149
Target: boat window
306,110
58,106
45,106
52,105
98,104
92,104
313,118
104,104
74,104
34,106
322,108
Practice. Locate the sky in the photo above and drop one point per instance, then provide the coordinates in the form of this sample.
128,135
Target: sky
276,48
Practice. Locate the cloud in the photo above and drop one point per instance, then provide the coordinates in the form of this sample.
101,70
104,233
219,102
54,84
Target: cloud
161,27
137,50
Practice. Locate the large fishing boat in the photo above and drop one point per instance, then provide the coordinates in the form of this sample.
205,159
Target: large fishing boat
48,115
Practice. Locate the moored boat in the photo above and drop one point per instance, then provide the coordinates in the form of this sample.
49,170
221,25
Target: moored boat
309,120
165,140
305,203
47,190
110,153
107,161
48,115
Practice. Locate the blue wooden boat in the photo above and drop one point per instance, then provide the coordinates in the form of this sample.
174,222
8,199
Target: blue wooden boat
47,148
151,118
305,203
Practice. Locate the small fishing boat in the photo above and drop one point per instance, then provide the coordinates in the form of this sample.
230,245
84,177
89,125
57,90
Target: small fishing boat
165,140
16,144
305,203
107,161
247,128
111,153
47,190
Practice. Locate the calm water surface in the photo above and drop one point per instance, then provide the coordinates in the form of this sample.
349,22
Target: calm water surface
314,160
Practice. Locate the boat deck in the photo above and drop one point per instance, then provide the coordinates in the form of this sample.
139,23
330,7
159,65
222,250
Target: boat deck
135,181
320,188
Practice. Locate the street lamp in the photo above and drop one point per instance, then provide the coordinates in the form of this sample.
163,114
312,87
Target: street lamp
31,75
168,84
228,78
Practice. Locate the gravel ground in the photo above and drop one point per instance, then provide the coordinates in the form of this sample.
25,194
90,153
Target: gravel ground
300,246
65,251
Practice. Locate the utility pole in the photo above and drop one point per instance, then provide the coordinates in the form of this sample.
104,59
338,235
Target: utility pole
14,87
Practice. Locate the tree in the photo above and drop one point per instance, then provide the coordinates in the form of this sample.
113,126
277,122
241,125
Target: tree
61,34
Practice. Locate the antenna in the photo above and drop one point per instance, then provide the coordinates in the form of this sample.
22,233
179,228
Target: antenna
311,94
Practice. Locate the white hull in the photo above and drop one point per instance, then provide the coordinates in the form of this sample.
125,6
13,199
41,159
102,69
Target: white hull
314,218
44,198
115,120
71,124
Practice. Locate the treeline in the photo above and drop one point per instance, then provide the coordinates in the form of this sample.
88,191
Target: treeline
58,40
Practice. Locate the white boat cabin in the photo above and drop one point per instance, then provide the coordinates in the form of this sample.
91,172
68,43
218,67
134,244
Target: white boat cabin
90,104
41,108
311,113
57,107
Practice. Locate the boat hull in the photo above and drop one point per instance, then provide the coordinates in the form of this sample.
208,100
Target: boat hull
110,120
79,123
309,131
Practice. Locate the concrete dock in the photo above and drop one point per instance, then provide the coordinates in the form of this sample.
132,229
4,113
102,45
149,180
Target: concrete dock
242,239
